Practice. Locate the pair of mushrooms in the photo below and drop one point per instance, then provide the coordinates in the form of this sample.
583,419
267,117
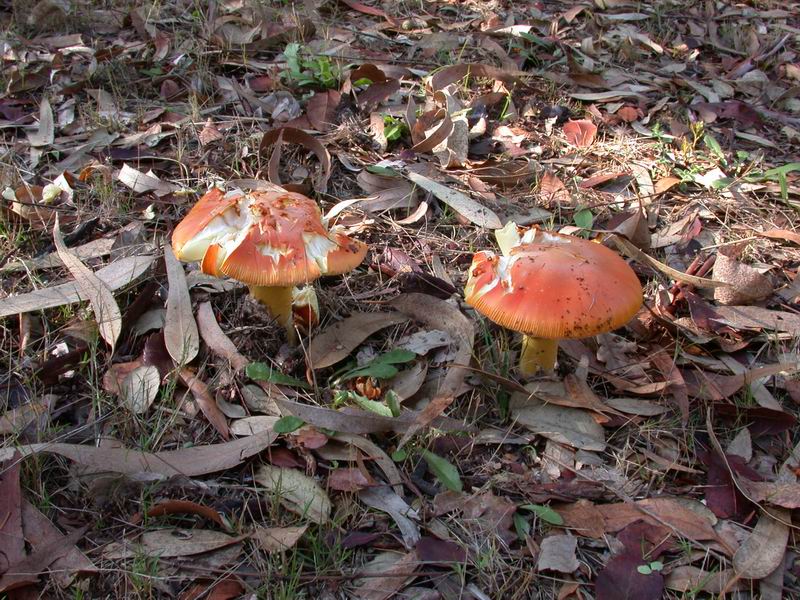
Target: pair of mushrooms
546,285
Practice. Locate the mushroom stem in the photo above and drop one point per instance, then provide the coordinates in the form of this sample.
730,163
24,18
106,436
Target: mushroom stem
278,301
538,354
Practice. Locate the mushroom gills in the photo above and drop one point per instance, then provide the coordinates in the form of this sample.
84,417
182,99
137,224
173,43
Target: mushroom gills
538,355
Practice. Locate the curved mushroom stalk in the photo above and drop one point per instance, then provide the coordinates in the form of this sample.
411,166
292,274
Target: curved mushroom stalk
278,301
538,355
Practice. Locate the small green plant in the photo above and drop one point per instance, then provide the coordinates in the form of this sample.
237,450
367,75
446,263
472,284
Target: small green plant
394,128
650,568
382,366
305,70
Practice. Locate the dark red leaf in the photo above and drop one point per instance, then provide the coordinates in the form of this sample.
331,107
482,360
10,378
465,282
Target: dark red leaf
281,457
155,354
620,580
348,480
12,541
760,421
359,538
440,552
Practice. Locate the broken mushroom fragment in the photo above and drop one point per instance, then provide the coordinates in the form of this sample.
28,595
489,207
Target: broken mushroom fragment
550,286
270,240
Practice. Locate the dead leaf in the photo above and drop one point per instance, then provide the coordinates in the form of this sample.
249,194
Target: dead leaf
45,134
94,249
688,579
206,402
15,420
297,136
388,572
376,454
180,330
763,551
93,289
461,203
757,318
321,109
226,587
169,543
454,73
688,517
209,133
189,462
746,285
433,312
553,192
781,234
140,388
348,479
338,340
142,183
359,421
278,539
384,499
580,133
219,343
253,425
39,532
632,251
557,553
570,426
296,491
27,570
782,494
12,548
584,518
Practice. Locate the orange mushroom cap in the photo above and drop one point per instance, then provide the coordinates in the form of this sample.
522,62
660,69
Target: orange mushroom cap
554,286
263,238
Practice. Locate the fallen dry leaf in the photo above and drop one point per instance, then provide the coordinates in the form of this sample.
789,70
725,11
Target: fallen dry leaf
206,402
219,343
782,234
116,275
39,532
189,462
140,388
553,192
335,342
388,573
296,491
433,312
12,546
557,553
570,426
689,579
282,135
762,552
168,543
278,539
180,329
384,499
461,203
142,183
93,289
745,284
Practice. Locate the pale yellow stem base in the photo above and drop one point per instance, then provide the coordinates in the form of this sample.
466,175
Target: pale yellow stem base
538,356
278,301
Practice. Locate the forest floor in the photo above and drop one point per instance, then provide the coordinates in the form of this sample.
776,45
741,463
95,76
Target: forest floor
160,439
